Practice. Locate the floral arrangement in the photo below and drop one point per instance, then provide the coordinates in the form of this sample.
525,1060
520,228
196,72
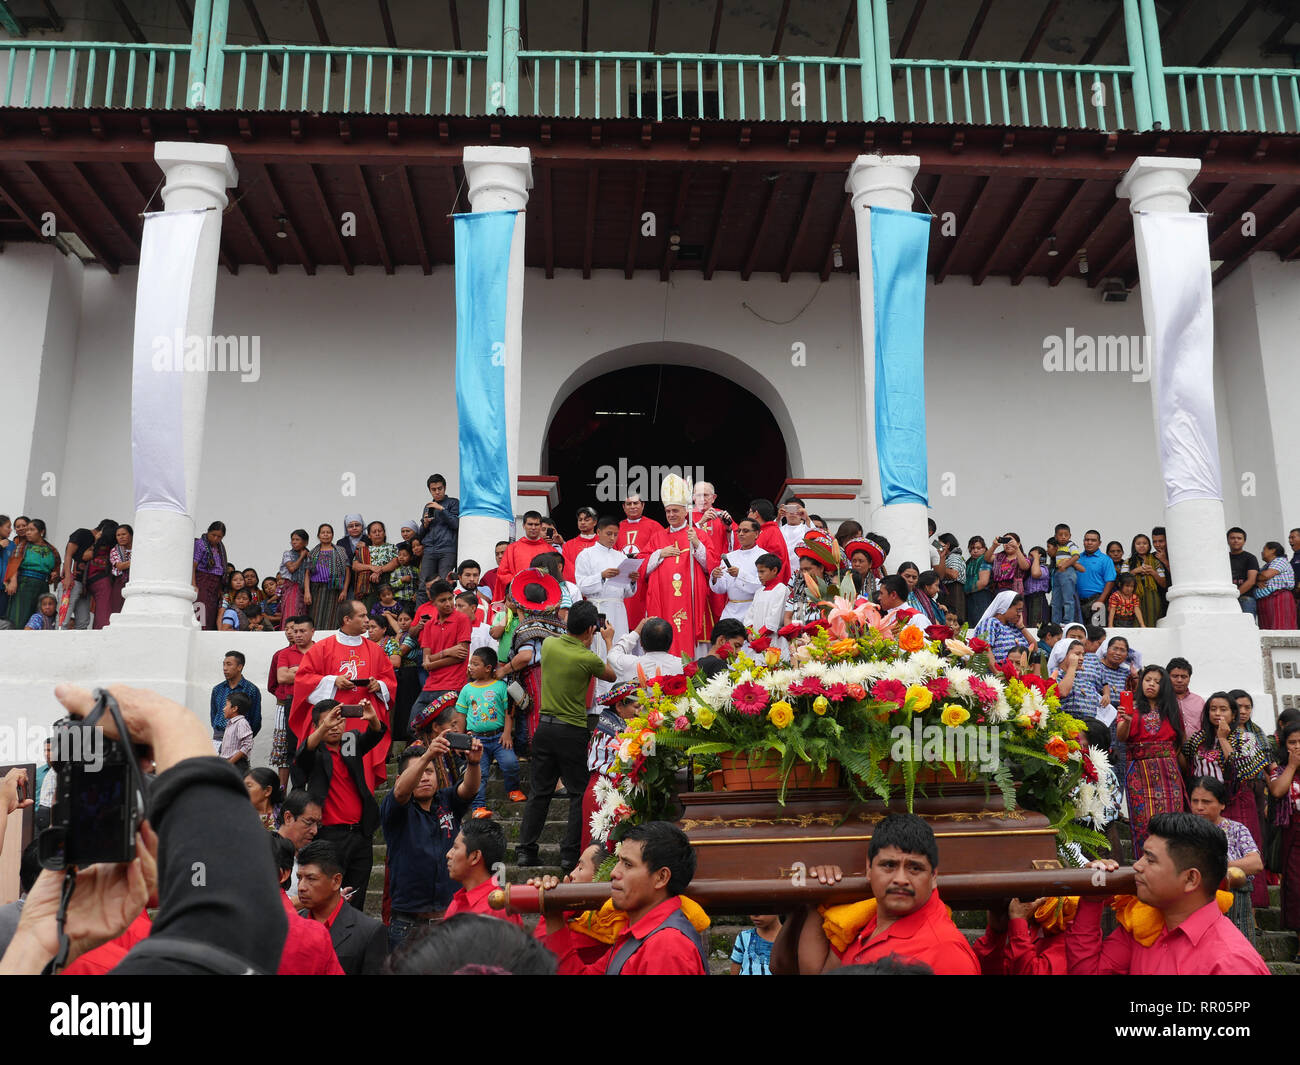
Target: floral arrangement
885,701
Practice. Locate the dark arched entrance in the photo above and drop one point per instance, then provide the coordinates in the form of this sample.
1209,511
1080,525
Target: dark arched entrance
611,433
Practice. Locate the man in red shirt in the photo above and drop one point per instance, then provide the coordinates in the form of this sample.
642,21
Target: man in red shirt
637,532
445,640
299,631
360,941
910,921
1183,861
488,582
308,950
769,535
1013,944
474,859
520,554
586,538
655,864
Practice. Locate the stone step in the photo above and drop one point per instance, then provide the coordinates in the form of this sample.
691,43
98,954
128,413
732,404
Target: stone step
1284,968
1276,946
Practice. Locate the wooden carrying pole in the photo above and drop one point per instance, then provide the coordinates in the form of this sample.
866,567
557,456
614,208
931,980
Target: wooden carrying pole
776,896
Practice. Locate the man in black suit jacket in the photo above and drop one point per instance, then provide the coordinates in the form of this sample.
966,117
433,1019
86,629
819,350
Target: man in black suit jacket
349,812
360,941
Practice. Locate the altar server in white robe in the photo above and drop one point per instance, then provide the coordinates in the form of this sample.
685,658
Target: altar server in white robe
737,576
596,572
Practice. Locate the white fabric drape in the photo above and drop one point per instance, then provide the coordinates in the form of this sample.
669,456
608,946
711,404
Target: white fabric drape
168,251
1174,259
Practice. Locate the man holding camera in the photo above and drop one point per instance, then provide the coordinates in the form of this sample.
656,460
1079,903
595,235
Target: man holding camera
348,669
331,767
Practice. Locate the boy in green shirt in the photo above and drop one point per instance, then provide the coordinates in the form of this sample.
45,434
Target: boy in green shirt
489,718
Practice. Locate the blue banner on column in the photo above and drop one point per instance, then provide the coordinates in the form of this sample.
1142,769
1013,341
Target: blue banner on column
482,269
900,243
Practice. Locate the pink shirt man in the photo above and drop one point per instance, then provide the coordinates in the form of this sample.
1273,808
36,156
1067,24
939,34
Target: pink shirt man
1191,705
1205,944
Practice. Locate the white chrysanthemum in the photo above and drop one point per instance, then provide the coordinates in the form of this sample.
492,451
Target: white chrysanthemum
928,662
1100,759
1000,711
603,791
684,705
778,681
1090,806
600,825
959,677
716,692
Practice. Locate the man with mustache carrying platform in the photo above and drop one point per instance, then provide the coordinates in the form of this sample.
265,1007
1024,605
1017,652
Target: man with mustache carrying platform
908,920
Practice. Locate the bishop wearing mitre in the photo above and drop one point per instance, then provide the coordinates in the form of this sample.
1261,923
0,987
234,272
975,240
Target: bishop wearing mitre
677,571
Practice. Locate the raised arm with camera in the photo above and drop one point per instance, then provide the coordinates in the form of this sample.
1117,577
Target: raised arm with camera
218,908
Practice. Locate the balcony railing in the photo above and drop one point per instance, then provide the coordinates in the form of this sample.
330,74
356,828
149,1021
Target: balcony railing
1009,94
82,74
657,87
352,80
1224,99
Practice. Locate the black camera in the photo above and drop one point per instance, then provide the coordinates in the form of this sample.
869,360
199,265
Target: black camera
99,796
459,741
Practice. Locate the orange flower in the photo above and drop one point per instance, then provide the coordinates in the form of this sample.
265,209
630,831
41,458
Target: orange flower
844,647
911,639
1057,748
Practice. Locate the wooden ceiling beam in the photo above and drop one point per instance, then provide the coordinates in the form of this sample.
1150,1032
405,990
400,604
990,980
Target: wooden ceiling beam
386,17
589,234
89,193
454,15
679,212
23,215
804,225
69,220
976,26
236,208
1034,38
634,229
1024,198
909,30
837,239
976,206
332,221
1229,32
544,182
281,211
654,24
780,27
1080,188
318,20
1103,34
846,28
413,218
729,184
760,231
717,27
1104,216
128,20
372,217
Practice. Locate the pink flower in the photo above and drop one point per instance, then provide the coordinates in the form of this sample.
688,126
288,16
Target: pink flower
889,691
681,724
749,698
810,686
983,692
836,692
938,687
654,719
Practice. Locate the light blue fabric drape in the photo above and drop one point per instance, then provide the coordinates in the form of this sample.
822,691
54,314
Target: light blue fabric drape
482,264
900,242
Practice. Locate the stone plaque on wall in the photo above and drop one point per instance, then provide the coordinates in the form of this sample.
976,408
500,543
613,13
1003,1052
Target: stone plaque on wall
1282,671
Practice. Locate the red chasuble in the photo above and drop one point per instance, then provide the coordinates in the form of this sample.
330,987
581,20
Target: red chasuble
668,591
329,658
640,534
717,537
518,557
771,541
572,549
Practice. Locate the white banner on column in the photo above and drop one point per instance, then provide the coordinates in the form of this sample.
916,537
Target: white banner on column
1174,260
168,251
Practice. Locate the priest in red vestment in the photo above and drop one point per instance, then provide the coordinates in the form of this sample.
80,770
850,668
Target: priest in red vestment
586,538
520,554
347,667
670,579
638,532
769,535
715,529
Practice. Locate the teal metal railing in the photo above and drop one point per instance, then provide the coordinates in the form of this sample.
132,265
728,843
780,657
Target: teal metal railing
658,87
86,74
357,80
1015,94
1229,99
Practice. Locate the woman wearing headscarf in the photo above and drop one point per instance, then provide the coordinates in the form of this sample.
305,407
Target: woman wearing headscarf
328,579
352,541
209,573
1077,682
1001,626
37,568
952,574
1119,665
119,564
99,572
1151,576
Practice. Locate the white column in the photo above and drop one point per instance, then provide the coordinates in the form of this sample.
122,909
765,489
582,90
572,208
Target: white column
160,589
499,180
1198,550
883,181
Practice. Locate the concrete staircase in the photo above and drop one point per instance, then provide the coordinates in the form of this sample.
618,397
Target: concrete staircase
1278,946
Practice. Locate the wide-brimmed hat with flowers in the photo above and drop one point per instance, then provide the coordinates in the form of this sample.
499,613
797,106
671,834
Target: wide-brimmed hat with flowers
875,551
426,717
821,548
618,693
534,591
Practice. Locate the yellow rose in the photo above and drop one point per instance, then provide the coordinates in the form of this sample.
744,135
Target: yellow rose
920,697
1024,722
781,714
954,714
772,656
633,749
820,705
704,717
